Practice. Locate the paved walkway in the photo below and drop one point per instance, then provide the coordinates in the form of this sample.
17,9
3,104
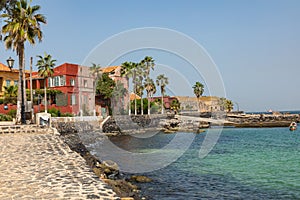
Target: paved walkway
41,166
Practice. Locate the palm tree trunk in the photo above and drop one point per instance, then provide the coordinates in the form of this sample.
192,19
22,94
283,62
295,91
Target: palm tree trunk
148,103
142,105
45,93
135,107
162,104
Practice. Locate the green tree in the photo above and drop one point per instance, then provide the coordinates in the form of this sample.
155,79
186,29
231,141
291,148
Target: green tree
118,97
175,105
129,70
147,64
162,82
10,94
140,75
198,91
45,69
22,23
105,86
150,89
228,105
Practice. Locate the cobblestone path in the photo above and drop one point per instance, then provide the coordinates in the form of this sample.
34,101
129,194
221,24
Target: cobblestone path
41,166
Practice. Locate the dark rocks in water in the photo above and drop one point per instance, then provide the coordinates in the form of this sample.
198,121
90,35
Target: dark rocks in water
120,186
140,179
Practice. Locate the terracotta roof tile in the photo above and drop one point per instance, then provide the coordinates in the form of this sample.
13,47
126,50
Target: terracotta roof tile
109,69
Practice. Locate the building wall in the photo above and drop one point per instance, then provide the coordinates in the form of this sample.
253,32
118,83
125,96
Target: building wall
208,103
8,74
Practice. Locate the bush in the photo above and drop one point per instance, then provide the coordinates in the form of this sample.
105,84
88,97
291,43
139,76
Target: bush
1,101
5,117
12,113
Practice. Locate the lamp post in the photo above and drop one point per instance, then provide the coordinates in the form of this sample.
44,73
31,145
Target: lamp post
10,63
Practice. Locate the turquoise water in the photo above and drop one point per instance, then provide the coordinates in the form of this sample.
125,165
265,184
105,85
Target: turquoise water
244,164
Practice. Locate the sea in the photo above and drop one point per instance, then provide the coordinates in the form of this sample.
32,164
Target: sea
245,163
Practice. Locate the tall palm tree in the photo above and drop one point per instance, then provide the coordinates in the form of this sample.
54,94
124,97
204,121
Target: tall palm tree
126,71
140,75
150,88
118,97
22,24
45,69
149,64
129,70
96,73
198,91
162,81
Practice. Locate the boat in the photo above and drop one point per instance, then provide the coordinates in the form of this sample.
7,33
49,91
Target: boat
293,126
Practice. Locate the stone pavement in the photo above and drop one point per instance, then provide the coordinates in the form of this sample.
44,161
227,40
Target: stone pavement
41,166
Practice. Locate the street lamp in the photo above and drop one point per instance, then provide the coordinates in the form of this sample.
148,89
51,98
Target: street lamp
10,63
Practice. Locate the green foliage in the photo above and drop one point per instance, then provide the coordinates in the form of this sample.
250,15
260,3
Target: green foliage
10,100
153,106
56,113
1,101
175,105
5,117
198,89
105,86
12,113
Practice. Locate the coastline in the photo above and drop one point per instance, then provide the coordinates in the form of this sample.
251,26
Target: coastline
107,171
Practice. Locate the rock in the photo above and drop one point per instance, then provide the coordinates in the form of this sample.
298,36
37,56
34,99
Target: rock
140,179
111,164
123,188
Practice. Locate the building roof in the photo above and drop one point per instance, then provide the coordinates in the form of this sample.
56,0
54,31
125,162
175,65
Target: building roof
109,69
5,68
132,95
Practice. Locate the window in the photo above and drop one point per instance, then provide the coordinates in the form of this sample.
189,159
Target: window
56,81
7,82
15,82
72,82
62,80
73,99
50,82
85,84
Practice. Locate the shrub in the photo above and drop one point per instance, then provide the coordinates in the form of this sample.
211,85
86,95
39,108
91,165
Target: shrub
1,101
12,113
5,117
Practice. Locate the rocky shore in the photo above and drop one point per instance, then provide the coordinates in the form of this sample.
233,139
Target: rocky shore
261,120
108,171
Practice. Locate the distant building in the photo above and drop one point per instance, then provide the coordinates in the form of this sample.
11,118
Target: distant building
208,103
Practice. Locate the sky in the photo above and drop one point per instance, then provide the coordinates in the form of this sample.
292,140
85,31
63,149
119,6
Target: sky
254,45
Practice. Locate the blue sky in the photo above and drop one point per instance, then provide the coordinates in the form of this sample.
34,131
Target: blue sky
254,44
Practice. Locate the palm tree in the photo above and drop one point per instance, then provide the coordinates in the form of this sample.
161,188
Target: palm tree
45,69
118,97
22,24
96,74
10,93
162,81
198,91
129,70
151,89
140,75
228,105
149,64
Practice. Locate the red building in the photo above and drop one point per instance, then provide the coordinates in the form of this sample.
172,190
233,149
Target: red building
76,84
